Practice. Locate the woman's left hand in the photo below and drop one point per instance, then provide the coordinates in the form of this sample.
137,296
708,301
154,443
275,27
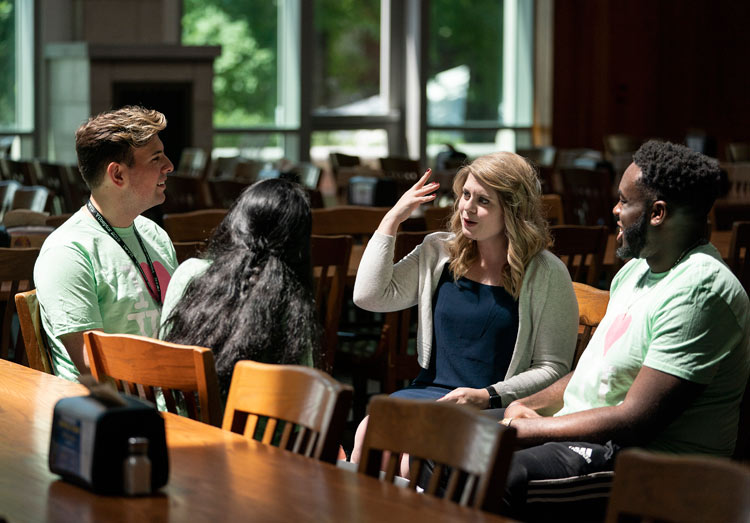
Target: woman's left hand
478,398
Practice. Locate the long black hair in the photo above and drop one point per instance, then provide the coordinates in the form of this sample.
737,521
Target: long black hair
255,301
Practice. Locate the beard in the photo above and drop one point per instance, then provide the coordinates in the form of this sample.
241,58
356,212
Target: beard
634,238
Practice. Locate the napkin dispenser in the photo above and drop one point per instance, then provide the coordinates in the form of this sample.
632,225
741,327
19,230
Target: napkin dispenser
89,441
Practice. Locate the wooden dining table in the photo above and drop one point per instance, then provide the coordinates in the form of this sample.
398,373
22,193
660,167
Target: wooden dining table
215,475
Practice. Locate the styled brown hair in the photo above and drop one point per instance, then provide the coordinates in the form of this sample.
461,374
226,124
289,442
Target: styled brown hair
111,137
519,192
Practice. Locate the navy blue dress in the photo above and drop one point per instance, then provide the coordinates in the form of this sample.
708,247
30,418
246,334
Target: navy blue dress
474,332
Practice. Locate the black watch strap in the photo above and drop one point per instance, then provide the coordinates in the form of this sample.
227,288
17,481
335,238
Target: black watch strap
496,400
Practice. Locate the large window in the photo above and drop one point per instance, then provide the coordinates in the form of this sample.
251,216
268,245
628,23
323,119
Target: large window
347,58
16,73
480,80
345,75
245,75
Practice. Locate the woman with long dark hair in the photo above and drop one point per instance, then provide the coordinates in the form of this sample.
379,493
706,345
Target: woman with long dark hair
250,296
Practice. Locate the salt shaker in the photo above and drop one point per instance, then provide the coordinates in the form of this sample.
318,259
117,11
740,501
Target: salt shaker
137,468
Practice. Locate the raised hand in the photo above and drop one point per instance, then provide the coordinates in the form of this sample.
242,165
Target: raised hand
421,192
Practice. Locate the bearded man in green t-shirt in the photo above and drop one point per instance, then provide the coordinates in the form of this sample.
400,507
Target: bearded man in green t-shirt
668,364
107,268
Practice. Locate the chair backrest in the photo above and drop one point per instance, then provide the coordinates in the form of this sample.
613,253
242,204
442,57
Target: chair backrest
539,156
356,221
305,408
51,176
685,489
339,160
57,220
187,250
185,194
29,319
32,197
194,226
438,218
592,306
588,195
330,261
460,440
193,162
8,190
16,275
138,364
738,152
403,171
224,191
553,209
615,144
582,249
739,253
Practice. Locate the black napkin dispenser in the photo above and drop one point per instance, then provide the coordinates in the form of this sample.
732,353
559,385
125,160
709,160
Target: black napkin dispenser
89,441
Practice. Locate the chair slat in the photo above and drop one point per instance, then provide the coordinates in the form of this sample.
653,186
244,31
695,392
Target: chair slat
270,429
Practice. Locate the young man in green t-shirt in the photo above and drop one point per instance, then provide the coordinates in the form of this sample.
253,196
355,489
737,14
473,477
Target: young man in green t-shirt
668,364
107,267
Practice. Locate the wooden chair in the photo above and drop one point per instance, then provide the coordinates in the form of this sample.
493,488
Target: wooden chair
738,152
356,221
74,186
224,192
57,220
543,156
138,364
50,176
306,408
553,209
34,339
404,171
739,253
582,250
193,226
21,171
16,275
339,160
187,250
32,197
685,489
592,306
185,194
588,196
193,162
473,449
330,261
8,190
438,218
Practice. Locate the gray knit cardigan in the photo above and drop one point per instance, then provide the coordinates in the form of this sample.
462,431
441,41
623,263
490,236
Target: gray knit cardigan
547,308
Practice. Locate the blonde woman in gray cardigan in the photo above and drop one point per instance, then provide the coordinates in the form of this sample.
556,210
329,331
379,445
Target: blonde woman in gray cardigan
497,315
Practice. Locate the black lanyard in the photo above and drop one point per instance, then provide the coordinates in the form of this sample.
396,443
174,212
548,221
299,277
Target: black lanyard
156,295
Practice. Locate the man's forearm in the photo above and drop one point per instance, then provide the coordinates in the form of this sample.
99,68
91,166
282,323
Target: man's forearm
548,400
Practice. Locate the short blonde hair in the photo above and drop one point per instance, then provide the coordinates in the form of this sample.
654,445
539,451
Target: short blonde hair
519,192
111,137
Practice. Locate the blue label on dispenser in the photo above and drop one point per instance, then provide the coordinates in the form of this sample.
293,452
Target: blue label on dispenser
67,444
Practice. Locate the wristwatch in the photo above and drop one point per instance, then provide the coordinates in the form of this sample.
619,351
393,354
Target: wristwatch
496,400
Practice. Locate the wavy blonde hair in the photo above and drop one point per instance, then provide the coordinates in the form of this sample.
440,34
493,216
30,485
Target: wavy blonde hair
519,192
